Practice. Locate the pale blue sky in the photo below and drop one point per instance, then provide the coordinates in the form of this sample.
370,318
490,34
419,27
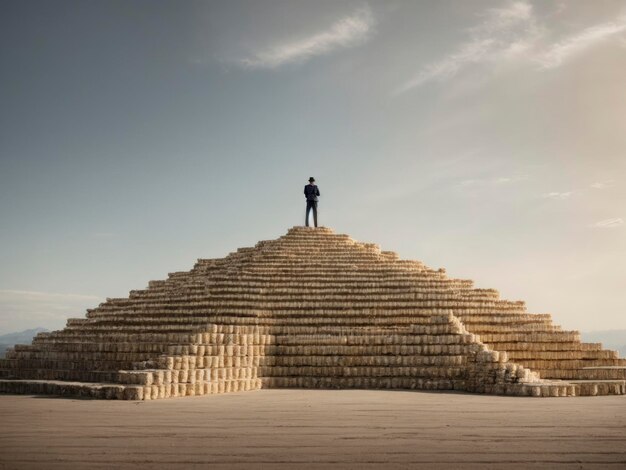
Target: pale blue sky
486,137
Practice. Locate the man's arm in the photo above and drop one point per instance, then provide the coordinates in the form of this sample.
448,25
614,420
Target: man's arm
317,191
305,189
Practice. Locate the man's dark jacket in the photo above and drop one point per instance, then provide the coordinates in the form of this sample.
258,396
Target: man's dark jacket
311,192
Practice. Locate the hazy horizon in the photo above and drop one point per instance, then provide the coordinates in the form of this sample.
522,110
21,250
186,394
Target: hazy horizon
486,137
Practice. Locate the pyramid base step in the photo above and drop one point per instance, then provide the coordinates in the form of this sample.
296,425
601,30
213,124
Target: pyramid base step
115,391
592,388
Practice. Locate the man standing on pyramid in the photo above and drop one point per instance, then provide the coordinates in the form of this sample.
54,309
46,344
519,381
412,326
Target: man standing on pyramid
311,192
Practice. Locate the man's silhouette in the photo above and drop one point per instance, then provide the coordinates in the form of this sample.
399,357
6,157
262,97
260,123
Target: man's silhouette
311,192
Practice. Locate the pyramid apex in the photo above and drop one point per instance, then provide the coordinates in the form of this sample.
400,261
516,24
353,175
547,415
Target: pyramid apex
299,229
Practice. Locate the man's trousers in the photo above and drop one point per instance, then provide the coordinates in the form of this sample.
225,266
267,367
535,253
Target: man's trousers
311,205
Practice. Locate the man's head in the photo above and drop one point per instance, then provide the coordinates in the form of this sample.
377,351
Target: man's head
311,180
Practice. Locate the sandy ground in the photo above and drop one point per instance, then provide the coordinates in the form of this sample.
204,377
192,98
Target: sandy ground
314,429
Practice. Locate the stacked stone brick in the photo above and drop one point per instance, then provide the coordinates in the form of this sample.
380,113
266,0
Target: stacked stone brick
312,309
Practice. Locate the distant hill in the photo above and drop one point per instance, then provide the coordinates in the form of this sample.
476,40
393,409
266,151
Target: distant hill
610,339
20,337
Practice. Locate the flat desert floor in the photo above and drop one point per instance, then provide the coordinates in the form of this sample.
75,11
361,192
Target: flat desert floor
314,429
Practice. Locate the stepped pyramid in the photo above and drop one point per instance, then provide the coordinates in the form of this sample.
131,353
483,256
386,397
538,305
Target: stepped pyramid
311,309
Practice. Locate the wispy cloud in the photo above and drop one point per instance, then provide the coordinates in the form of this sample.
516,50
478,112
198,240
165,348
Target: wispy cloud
557,195
504,33
347,32
514,33
559,52
494,181
609,223
500,19
510,179
601,184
